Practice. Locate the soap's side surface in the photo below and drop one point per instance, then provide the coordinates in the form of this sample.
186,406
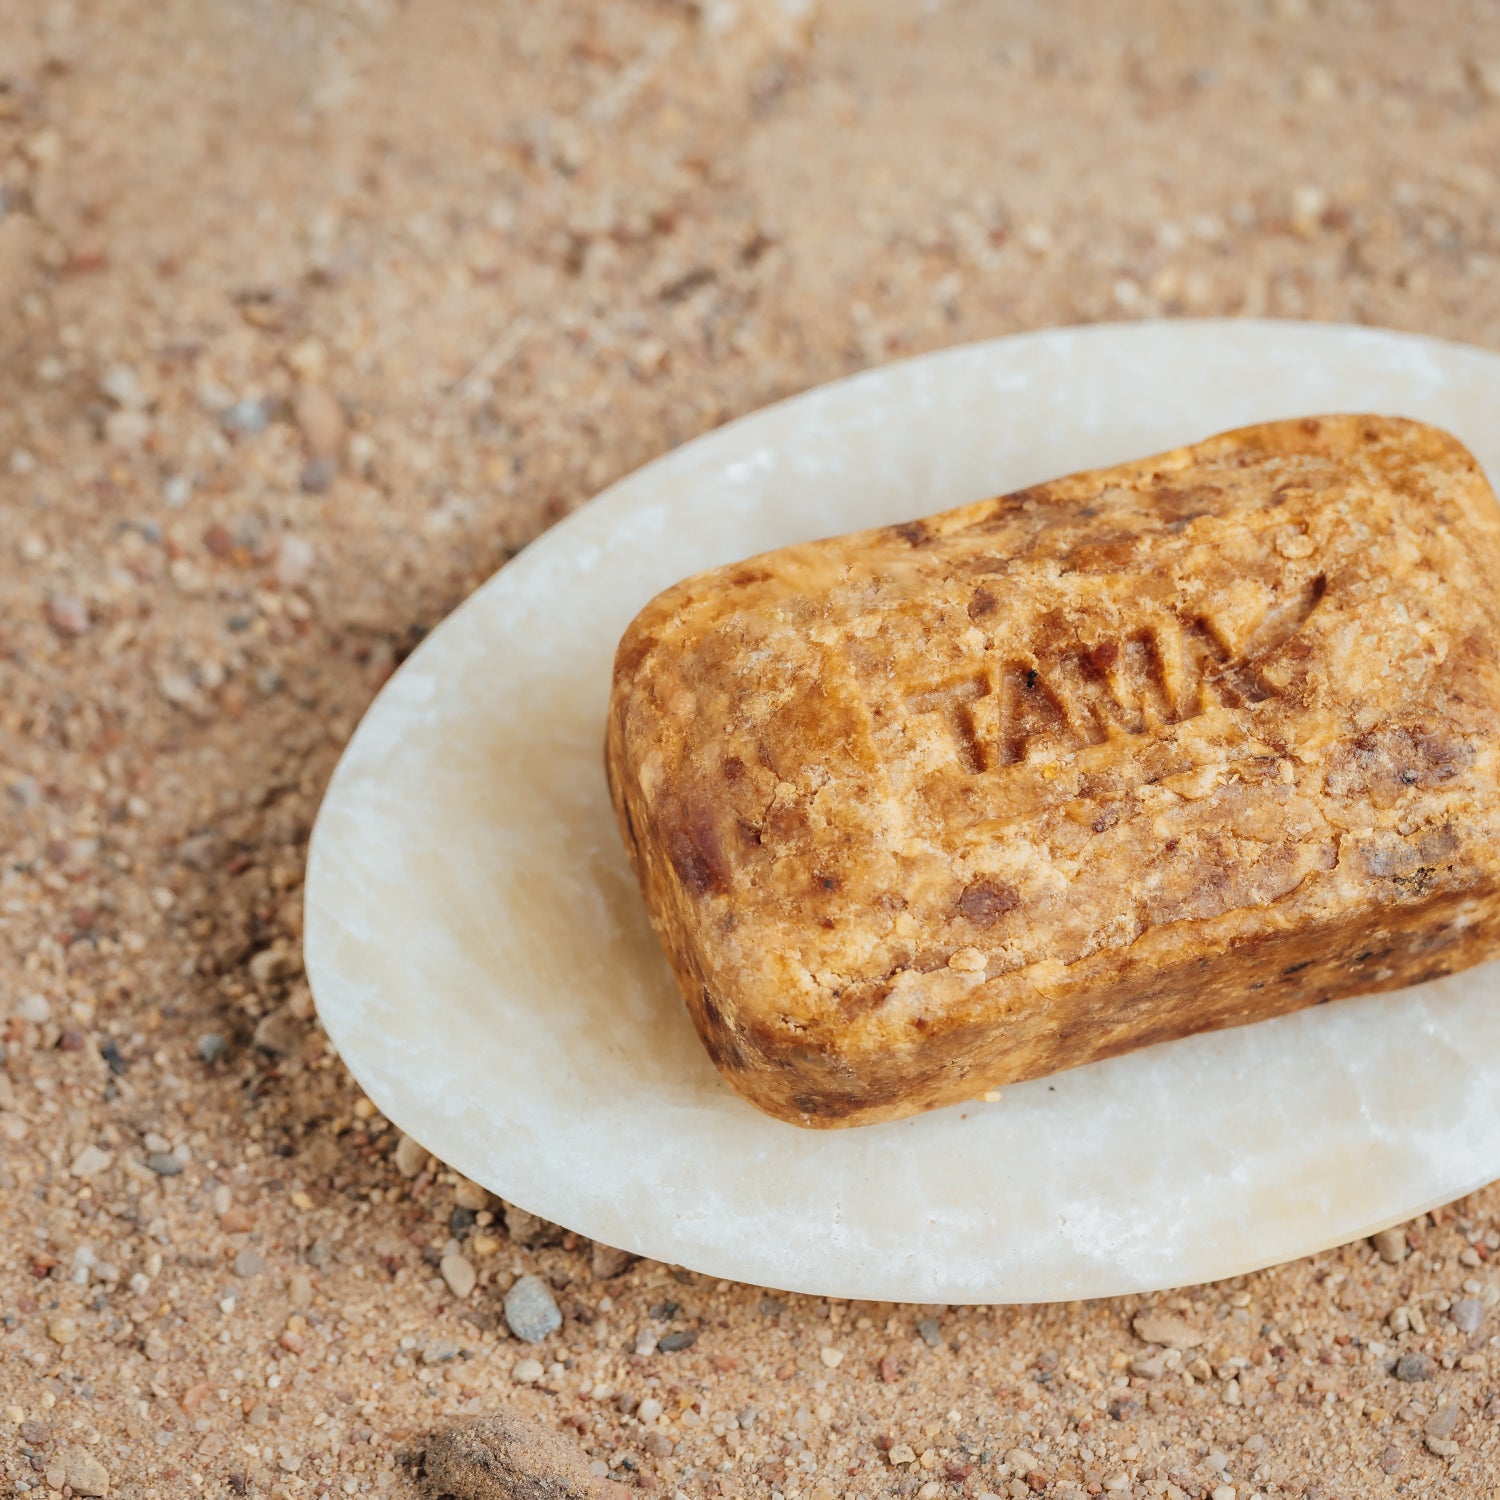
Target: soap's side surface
1138,753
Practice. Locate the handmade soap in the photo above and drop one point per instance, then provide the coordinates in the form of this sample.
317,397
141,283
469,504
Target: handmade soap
1147,751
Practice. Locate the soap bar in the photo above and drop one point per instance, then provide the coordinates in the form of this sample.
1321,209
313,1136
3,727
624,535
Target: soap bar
1146,751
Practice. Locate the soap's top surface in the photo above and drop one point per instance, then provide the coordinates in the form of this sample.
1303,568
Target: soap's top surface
1256,675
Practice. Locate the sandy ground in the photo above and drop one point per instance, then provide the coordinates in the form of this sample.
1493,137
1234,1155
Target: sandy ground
310,317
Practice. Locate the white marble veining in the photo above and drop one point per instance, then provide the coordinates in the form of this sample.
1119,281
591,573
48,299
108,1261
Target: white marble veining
482,960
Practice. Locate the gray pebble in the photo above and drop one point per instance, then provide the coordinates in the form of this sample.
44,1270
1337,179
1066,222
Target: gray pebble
932,1334
439,1351
747,1417
249,1263
1467,1314
164,1164
530,1312
672,1343
1415,1366
211,1047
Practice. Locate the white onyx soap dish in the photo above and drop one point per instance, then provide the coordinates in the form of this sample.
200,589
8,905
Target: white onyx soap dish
482,959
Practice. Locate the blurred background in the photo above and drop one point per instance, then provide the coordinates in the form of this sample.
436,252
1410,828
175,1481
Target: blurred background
313,314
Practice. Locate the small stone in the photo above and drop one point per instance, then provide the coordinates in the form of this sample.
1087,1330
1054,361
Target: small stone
299,1289
1390,1460
902,1453
164,1164
34,1008
439,1351
123,386
606,1262
84,1472
659,1445
528,1229
1390,1245
67,615
470,1195
1414,1366
526,1371
505,1457
410,1156
1223,1492
530,1312
63,1331
35,1432
90,1162
931,1332
278,1033
675,1343
1467,1314
460,1275
1442,1447
1442,1422
1149,1366
272,965
294,559
211,1047
648,1411
320,419
1166,1329
831,1357
248,1263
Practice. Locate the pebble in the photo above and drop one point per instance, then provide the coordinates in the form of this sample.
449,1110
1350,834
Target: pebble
439,1351
278,1033
505,1457
1166,1329
530,1312
211,1046
930,1332
685,1338
67,615
62,1331
294,560
1390,1245
90,1162
526,1371
410,1156
1467,1314
1414,1365
648,1411
1223,1492
78,1468
34,1008
248,1263
460,1275
272,965
470,1195
1442,1422
1442,1447
320,419
164,1164
606,1262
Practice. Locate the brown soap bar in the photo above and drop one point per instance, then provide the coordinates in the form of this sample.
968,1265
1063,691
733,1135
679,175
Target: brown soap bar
1139,753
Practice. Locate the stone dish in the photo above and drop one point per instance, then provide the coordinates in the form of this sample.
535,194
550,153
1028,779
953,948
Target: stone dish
482,961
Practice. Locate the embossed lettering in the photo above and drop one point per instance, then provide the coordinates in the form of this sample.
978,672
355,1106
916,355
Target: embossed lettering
1002,712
